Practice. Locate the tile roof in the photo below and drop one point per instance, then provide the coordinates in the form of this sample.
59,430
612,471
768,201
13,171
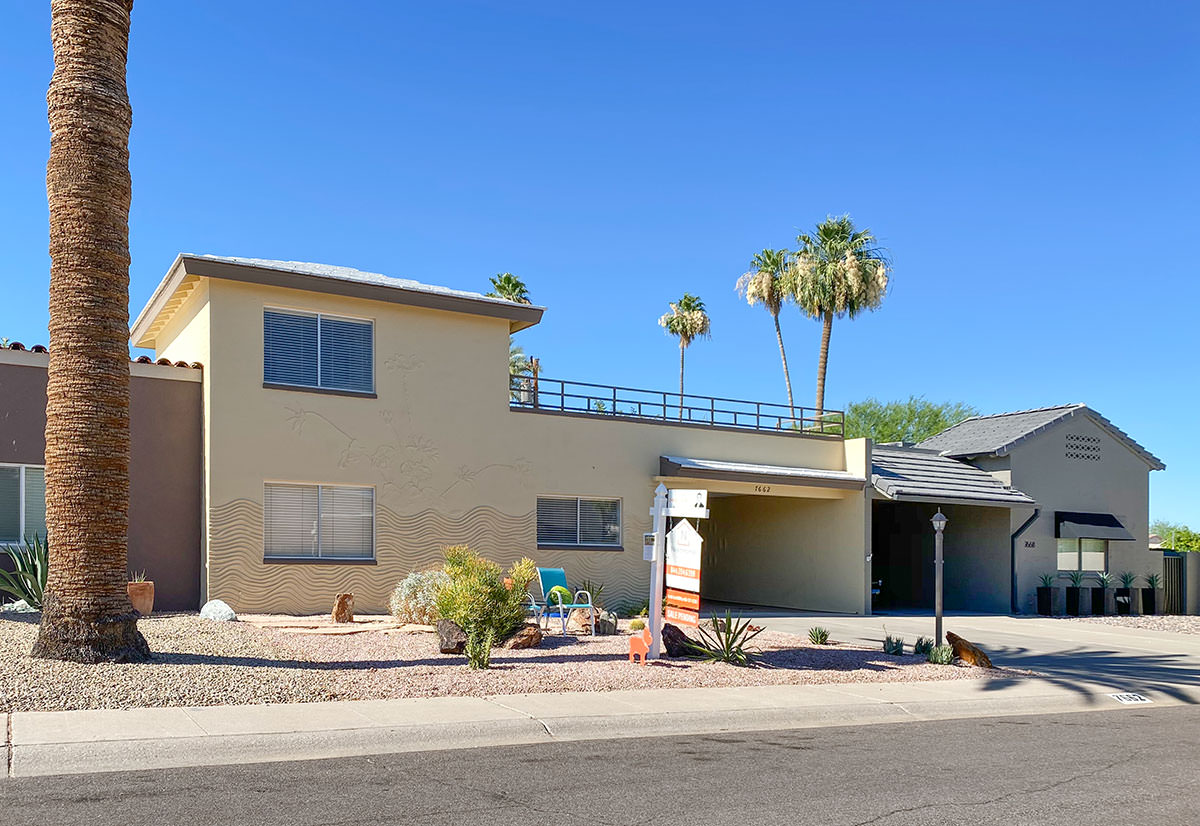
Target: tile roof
997,434
17,346
908,473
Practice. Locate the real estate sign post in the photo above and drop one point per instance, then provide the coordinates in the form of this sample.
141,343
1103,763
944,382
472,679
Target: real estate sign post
687,504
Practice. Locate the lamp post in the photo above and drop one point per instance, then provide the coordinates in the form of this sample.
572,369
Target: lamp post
939,524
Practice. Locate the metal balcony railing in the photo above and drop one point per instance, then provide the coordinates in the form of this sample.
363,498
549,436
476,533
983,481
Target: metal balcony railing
558,396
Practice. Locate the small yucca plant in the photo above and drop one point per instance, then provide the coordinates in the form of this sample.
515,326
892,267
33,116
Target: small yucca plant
725,640
31,563
1047,580
893,645
923,646
1128,578
1076,578
940,655
818,635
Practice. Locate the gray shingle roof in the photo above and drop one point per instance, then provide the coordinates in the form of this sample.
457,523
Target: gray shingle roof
908,473
984,435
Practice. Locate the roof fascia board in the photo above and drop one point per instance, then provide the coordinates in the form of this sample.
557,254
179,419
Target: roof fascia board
669,468
158,299
954,500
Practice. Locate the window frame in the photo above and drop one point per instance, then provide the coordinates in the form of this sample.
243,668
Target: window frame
22,501
578,545
318,559
318,387
1078,553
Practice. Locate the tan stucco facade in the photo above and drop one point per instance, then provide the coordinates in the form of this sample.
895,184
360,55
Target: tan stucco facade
451,463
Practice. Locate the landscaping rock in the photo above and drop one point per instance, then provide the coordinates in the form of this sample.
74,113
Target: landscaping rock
606,623
579,621
451,638
20,606
343,608
967,652
675,643
217,610
527,636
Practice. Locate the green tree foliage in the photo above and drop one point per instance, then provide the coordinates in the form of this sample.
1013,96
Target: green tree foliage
507,286
687,321
903,421
1175,536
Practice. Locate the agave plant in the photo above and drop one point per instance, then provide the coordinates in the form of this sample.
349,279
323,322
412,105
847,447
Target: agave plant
27,580
1076,578
923,646
1153,580
1128,578
940,655
818,635
725,640
1103,579
1047,580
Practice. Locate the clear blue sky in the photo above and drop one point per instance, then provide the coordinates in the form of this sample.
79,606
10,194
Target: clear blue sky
1031,167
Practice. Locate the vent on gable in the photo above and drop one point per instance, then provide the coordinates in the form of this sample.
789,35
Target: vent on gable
1083,447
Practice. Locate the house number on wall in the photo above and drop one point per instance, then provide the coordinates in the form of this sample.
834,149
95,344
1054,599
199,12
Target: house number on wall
762,488
1029,543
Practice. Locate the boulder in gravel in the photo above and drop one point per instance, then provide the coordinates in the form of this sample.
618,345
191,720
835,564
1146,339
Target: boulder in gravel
579,621
527,636
606,623
218,610
675,643
969,653
19,606
343,608
451,638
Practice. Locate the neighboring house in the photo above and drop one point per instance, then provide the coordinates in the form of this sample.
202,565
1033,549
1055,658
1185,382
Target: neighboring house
1090,481
350,425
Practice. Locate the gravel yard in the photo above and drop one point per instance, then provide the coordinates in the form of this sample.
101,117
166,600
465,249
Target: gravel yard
1179,625
199,662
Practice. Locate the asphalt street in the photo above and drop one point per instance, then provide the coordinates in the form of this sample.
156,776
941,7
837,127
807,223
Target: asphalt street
1133,765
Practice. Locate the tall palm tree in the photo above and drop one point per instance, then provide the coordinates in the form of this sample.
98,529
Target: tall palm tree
86,615
839,271
687,321
767,283
507,286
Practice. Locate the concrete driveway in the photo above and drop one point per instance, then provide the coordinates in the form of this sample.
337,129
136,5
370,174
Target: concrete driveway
1073,653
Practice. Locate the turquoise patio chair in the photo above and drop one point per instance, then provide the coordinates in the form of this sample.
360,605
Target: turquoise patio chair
551,578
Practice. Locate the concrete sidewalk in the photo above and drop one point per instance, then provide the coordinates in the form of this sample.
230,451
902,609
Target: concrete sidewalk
71,742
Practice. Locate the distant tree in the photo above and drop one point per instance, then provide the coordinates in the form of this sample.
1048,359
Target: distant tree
838,271
766,283
1175,536
687,321
903,421
507,286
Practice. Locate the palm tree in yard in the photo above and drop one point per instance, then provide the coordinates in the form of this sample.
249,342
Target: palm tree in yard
86,615
838,271
767,284
507,286
687,321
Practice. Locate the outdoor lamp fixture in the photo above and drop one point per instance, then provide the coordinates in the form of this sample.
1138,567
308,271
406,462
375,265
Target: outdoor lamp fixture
939,521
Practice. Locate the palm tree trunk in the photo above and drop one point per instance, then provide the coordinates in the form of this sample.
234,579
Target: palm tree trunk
86,615
682,348
826,330
787,379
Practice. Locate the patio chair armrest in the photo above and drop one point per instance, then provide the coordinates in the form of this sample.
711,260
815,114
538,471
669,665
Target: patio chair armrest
587,601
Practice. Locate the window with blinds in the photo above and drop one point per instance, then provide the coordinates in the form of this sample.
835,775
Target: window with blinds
579,522
22,502
320,351
318,521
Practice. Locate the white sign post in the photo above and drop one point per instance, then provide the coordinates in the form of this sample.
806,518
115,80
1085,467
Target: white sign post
691,504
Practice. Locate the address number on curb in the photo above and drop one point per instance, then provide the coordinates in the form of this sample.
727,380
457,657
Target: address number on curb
1131,699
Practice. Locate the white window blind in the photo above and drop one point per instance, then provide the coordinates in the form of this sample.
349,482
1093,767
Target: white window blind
319,521
314,350
578,521
22,502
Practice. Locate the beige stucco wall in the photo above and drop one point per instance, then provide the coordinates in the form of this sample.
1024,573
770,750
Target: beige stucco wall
449,461
1118,484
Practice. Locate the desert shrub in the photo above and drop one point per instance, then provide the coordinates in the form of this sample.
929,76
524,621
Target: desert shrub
31,563
725,640
818,635
476,598
893,645
940,655
637,624
415,598
923,646
479,647
559,594
595,589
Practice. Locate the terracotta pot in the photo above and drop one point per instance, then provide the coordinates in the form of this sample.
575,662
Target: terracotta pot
141,594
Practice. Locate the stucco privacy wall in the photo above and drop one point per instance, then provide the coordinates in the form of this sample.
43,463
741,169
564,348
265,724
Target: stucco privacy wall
449,461
165,463
1117,483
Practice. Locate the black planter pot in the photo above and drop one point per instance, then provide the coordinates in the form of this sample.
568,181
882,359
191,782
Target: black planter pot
1073,600
1124,601
1149,598
1098,601
1045,600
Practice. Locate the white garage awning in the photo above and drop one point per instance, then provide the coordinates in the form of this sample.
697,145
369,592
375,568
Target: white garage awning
758,473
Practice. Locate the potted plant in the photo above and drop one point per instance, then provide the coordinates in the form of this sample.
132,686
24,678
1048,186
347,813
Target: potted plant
1125,593
1073,591
141,592
1045,595
1104,581
1150,594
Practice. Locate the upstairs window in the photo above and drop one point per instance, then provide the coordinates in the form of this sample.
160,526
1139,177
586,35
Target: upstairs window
318,351
577,522
22,503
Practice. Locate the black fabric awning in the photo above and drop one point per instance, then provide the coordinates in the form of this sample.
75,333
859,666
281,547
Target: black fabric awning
1071,525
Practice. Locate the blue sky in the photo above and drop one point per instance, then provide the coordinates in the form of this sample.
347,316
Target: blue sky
1031,168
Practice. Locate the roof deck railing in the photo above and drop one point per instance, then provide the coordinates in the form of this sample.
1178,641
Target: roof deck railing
557,396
